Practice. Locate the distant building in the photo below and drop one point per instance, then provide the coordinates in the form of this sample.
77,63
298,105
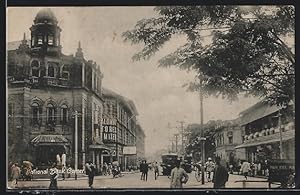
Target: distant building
45,88
261,132
227,135
140,143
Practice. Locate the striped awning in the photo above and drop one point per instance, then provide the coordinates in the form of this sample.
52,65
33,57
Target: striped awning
50,140
287,135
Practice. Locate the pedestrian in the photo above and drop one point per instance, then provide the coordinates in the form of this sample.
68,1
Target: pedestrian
146,169
104,169
255,169
142,170
267,167
245,168
210,166
69,172
109,168
178,176
90,169
156,170
53,177
259,169
221,175
231,168
15,175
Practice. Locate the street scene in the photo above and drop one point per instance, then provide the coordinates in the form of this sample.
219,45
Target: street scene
132,181
156,97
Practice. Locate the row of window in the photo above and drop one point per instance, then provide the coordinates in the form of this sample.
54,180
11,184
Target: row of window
44,39
219,140
52,115
53,70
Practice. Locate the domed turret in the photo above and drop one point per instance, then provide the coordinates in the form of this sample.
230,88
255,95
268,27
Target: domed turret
45,16
45,33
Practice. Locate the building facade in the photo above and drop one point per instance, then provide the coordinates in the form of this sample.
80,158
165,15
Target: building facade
227,136
263,127
120,129
54,100
57,105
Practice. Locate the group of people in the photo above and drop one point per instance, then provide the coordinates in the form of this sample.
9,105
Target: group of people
253,169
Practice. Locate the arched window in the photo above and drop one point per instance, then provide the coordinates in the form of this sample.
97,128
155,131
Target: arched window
35,68
32,41
50,71
65,72
64,114
35,113
50,40
40,40
50,114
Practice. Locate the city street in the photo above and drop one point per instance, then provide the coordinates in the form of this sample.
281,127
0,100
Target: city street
132,180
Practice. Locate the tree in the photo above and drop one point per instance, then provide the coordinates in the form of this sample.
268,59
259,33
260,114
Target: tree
246,51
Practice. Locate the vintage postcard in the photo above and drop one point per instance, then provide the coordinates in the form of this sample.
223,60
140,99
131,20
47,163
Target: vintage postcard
150,97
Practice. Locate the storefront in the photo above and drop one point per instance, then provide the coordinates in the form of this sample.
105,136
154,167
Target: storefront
45,149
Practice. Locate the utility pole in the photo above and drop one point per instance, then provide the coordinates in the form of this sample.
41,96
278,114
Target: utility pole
176,142
182,147
202,131
76,139
170,140
280,134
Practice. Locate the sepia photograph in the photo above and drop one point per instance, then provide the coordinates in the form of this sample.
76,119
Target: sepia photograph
150,97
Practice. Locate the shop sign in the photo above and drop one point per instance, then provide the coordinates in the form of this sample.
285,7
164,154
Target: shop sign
280,169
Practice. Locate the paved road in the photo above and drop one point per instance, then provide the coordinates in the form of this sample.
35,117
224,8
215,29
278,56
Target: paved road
132,180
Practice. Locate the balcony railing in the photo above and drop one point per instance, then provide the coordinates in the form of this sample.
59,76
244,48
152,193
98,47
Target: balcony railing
270,131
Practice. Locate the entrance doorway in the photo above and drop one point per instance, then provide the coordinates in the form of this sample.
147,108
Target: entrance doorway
46,154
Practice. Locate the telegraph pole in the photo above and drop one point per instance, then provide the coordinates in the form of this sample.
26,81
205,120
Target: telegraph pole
280,134
76,139
202,131
182,147
170,140
176,141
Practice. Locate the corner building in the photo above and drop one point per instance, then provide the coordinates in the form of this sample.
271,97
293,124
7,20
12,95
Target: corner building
120,130
45,89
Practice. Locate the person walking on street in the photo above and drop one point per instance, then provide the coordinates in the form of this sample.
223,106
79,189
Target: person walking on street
156,170
221,175
245,168
210,165
146,169
91,175
89,172
178,176
142,167
53,177
104,169
15,175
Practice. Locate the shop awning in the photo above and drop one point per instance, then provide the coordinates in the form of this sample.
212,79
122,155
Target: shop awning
268,139
50,140
99,147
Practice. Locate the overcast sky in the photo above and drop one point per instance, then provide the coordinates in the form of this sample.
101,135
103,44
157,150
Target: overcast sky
157,92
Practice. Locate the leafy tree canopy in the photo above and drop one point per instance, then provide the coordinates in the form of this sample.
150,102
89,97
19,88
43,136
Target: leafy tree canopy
247,50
